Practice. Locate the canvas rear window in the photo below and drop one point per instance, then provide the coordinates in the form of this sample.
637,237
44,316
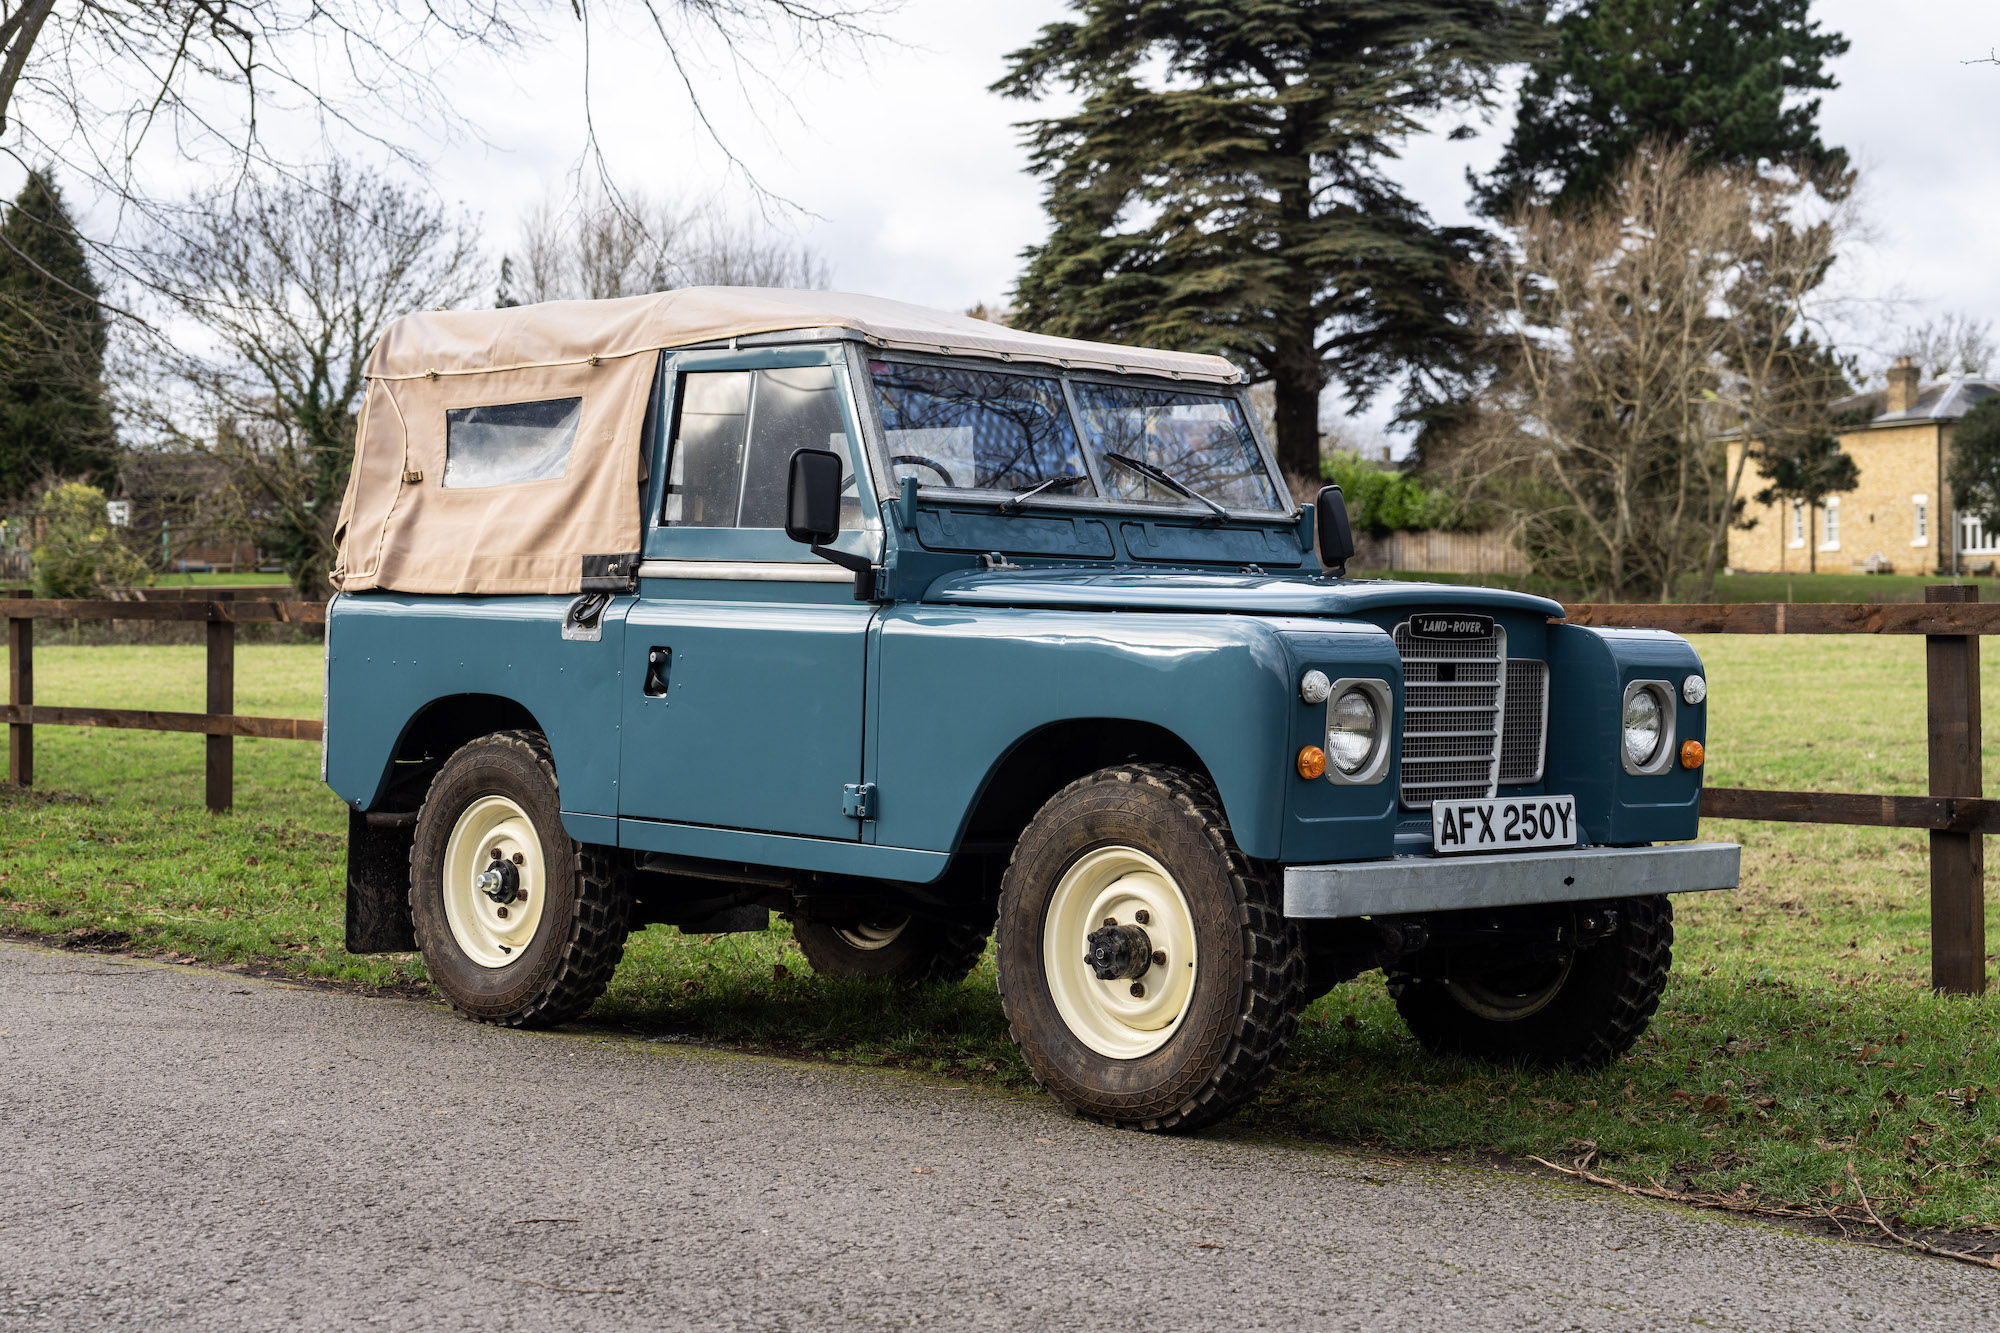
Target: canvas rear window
504,443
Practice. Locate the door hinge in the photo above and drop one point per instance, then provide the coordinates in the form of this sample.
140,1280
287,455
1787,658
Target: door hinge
858,800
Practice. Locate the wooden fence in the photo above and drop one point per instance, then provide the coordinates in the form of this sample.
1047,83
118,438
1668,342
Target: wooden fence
220,723
1956,812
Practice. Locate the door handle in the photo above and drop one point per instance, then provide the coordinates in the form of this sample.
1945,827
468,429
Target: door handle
659,661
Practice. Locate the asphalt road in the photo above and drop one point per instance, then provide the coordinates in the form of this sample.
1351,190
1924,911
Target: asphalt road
190,1149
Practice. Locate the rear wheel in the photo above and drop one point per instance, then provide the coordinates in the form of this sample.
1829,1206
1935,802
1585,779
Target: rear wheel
518,924
1581,1009
914,950
1146,969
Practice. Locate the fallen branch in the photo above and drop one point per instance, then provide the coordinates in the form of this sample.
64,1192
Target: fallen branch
1790,1212
1984,1261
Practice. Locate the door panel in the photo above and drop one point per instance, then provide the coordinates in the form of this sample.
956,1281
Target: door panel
760,723
744,698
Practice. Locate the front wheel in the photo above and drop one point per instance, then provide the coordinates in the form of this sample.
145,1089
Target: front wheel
1579,1010
1147,972
518,924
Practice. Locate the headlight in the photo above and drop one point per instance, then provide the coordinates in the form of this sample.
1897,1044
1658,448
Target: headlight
1645,723
1351,731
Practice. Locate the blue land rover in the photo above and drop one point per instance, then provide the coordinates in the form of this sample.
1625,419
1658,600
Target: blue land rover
920,631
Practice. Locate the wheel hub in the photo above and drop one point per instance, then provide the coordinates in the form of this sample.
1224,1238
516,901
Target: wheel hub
1119,952
500,881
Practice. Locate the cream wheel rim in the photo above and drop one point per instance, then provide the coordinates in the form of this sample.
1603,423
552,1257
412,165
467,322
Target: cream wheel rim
491,933
869,936
1129,1017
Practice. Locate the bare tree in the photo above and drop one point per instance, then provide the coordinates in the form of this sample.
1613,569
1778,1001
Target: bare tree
1955,343
605,244
106,87
274,294
1632,337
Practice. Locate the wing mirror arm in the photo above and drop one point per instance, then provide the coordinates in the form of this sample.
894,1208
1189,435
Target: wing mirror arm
1336,537
812,514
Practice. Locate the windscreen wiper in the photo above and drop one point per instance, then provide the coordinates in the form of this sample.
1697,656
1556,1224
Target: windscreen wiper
1061,483
1165,478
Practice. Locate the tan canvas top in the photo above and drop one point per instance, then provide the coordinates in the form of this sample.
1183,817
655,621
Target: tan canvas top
464,341
584,370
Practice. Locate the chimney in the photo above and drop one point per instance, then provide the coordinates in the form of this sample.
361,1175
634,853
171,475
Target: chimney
1902,386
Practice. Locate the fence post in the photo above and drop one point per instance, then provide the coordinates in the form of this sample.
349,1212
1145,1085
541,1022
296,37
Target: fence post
221,702
1958,860
21,691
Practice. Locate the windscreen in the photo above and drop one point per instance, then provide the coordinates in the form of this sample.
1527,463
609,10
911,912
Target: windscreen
977,429
1201,440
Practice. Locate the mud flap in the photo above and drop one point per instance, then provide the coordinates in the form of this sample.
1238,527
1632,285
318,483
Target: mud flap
378,886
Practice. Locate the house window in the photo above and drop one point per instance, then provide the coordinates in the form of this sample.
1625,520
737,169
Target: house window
1831,516
1920,526
1798,523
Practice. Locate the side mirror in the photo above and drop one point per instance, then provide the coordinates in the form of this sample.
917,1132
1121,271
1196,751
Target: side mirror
1336,538
812,497
812,514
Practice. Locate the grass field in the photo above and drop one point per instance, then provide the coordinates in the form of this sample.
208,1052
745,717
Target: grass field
1729,587
1798,1035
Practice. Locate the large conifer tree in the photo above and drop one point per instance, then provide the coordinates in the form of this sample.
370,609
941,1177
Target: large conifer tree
55,419
1222,187
1723,77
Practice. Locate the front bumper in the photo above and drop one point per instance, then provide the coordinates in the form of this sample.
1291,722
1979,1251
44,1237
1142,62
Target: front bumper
1508,879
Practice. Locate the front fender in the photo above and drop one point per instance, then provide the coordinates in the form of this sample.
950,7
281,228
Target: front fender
957,689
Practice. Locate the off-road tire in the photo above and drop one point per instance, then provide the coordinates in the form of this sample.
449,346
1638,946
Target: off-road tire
1604,1005
582,932
1248,990
927,952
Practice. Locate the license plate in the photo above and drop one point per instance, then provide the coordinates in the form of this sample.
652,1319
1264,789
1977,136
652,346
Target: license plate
1510,824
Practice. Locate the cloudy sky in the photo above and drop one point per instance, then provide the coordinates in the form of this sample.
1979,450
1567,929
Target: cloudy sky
908,174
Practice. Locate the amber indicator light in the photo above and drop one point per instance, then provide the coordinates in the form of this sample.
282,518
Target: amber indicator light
1691,755
1312,762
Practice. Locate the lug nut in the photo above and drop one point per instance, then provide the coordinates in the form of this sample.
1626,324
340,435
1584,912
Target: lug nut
1159,958
503,911
494,855
1110,920
1143,917
519,859
1138,990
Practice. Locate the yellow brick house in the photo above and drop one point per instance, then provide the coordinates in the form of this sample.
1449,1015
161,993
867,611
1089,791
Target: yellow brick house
1900,517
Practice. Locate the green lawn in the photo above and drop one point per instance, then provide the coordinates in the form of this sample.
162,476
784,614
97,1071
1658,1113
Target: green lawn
244,580
1728,587
1797,1036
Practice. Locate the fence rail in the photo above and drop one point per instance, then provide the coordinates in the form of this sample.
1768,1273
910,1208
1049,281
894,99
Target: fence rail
221,724
1955,813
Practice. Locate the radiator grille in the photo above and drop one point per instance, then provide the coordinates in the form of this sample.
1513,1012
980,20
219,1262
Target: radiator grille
1524,731
1453,693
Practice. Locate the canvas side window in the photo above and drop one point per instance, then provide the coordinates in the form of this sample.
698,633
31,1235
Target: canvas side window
500,444
737,433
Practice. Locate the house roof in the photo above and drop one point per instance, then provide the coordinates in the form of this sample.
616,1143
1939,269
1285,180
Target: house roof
1940,400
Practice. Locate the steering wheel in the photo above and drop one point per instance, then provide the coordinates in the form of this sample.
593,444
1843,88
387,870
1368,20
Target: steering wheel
918,460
